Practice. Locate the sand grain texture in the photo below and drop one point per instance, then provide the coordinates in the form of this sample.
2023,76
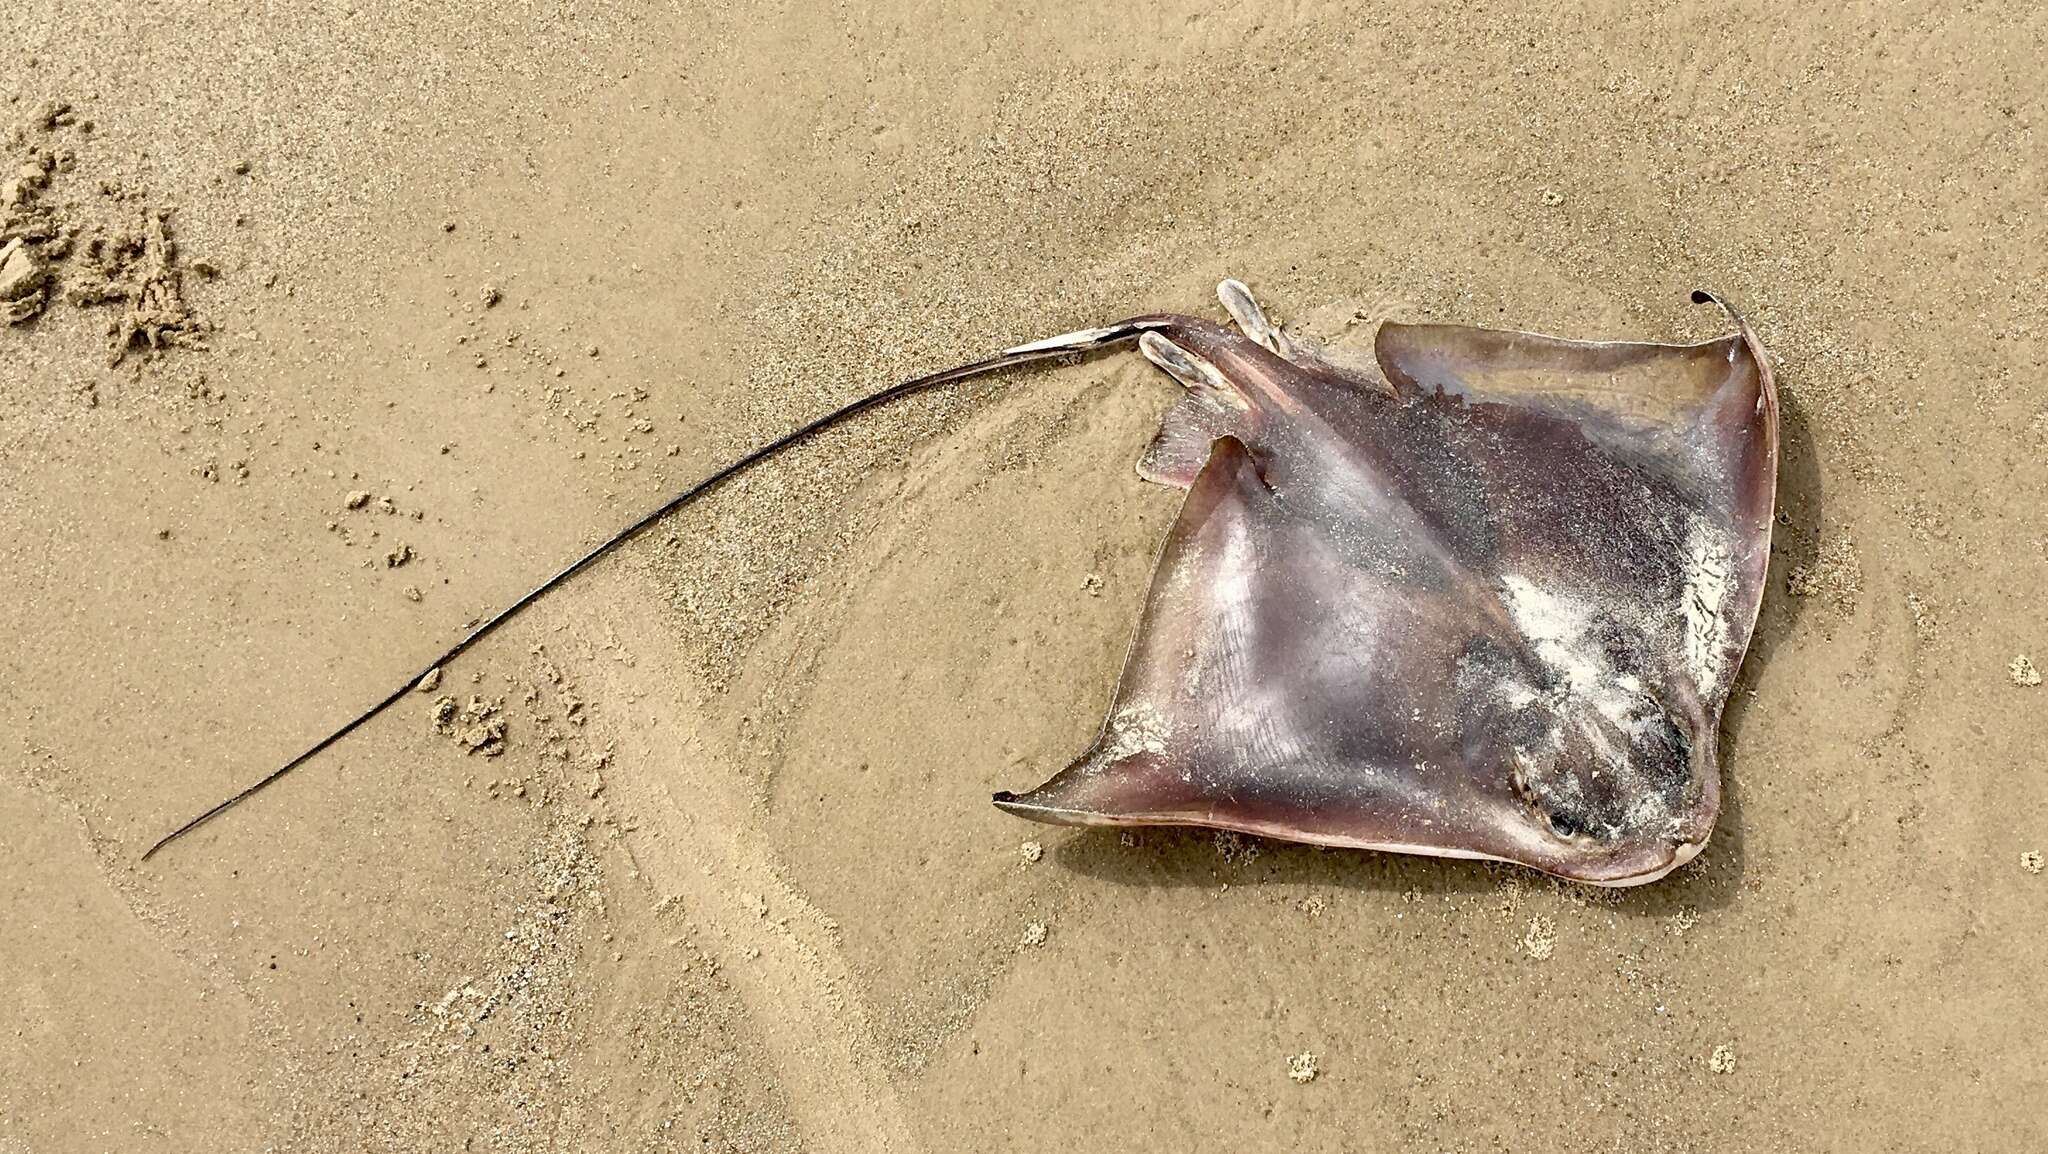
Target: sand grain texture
479,282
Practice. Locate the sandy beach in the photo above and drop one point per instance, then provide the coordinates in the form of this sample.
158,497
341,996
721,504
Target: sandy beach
343,325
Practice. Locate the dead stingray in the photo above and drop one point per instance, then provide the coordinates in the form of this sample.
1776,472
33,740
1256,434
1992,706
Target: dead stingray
1483,595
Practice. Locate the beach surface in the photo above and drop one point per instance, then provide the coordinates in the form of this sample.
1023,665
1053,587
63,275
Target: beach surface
350,322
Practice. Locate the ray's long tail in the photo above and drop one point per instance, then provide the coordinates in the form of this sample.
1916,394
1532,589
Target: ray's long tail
1080,342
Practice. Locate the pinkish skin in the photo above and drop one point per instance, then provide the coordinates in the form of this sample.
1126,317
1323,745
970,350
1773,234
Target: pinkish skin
1485,598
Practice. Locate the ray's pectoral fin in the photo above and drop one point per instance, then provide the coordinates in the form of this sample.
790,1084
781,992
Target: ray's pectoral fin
1701,418
1691,409
1145,766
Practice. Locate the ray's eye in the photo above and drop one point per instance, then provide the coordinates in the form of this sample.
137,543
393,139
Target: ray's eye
1563,826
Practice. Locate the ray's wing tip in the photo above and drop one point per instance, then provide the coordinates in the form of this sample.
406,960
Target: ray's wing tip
1706,296
1054,806
1030,806
1022,804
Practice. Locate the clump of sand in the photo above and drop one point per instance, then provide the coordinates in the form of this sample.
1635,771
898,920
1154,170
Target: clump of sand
137,269
2022,671
23,282
31,237
1301,1068
1235,848
1834,576
44,240
1926,626
476,726
1722,1060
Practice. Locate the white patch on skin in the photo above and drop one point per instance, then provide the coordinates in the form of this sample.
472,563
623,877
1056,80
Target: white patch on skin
1607,707
1180,578
1230,584
1135,729
1248,714
1558,630
1709,583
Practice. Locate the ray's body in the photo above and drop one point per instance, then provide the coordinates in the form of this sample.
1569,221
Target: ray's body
1483,597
